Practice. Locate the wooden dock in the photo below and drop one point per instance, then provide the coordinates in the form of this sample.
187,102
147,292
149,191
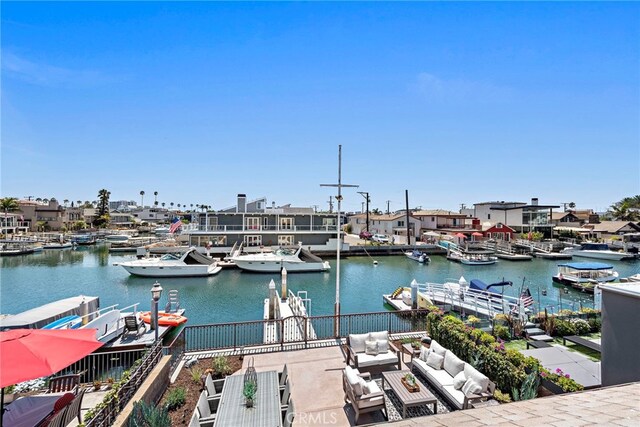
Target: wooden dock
292,321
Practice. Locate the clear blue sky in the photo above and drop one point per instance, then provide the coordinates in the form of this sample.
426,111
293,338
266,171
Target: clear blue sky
456,102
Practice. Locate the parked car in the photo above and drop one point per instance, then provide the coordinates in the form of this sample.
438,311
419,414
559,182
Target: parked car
380,238
364,234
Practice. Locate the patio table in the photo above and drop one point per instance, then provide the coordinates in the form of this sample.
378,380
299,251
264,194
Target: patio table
265,412
28,411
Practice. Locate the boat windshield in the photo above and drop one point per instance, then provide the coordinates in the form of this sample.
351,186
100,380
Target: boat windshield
285,252
170,257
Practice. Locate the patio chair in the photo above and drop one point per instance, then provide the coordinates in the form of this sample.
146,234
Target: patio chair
207,410
64,383
352,384
74,408
195,419
283,376
132,324
213,387
288,415
55,419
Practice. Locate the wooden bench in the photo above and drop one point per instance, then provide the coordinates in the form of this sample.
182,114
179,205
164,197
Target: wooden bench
537,344
581,341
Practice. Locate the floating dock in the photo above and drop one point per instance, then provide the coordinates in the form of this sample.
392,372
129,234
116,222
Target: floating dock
290,318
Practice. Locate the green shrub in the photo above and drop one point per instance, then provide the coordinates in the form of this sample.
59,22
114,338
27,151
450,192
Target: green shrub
515,357
566,312
564,327
581,326
502,332
563,380
221,366
176,398
196,374
144,415
595,324
487,339
501,397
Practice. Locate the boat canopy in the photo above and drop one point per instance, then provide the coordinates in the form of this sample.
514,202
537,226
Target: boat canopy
481,286
587,265
594,247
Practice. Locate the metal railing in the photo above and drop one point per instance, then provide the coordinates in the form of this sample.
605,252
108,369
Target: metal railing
257,228
237,335
104,366
114,405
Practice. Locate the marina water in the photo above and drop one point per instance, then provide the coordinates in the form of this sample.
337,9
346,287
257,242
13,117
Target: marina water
233,295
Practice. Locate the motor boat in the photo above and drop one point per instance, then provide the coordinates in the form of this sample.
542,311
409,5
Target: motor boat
294,260
108,324
585,275
599,251
478,259
188,264
417,255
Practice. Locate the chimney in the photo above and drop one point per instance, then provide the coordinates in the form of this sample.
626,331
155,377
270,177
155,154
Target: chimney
242,203
534,201
273,205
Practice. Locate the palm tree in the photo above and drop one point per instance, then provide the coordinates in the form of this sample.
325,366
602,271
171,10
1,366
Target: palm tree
78,203
66,202
155,198
156,203
45,200
142,198
376,211
9,204
163,204
191,206
38,200
171,204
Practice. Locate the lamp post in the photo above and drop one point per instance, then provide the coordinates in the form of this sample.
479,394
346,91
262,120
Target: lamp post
156,291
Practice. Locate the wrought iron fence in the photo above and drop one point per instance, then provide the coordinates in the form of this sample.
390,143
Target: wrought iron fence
296,329
106,412
104,366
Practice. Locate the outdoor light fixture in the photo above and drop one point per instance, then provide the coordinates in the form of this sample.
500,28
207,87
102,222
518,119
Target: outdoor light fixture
156,292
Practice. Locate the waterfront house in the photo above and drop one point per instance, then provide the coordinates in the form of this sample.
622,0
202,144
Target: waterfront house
609,229
393,225
566,219
500,231
151,215
255,223
520,216
49,213
440,220
12,224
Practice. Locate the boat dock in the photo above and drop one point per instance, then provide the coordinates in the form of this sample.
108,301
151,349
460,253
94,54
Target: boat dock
456,297
290,318
40,316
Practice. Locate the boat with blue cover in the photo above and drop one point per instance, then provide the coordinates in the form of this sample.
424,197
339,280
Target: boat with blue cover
585,275
67,322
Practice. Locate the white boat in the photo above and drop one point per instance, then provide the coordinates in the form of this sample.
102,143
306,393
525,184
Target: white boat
585,275
188,264
57,245
478,259
598,251
161,230
108,325
417,255
294,260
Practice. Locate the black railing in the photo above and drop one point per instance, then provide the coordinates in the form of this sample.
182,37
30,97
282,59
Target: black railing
107,366
106,412
295,329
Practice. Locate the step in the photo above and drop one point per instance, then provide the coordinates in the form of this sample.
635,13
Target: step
534,331
543,337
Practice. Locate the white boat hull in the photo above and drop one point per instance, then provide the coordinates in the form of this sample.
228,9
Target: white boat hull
172,271
276,266
608,255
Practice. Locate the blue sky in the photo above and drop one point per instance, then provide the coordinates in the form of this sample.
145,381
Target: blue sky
456,102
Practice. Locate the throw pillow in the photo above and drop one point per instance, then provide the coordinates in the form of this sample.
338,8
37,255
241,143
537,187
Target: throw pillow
364,386
452,364
471,387
435,360
437,348
354,380
371,347
459,380
424,353
356,341
383,346
472,373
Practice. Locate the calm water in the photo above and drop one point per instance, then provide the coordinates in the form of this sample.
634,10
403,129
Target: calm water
32,280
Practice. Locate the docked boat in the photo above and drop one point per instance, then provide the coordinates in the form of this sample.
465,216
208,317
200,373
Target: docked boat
188,264
294,260
417,255
67,322
13,248
58,245
478,259
83,239
108,324
599,251
585,275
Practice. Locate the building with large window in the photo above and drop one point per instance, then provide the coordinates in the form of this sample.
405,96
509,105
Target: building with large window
520,216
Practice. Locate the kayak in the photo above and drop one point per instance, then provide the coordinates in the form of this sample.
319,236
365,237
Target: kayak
164,319
68,322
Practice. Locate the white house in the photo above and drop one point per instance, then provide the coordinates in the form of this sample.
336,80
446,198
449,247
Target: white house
520,216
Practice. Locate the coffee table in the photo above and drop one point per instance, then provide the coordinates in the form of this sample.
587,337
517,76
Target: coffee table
408,399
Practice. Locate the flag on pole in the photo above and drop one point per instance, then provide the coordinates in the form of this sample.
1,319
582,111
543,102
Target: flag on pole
175,225
525,298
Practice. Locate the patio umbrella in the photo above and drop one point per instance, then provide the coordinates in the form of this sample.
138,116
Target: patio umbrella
35,353
432,234
460,235
476,234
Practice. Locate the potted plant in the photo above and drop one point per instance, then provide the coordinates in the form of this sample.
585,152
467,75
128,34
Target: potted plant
110,383
97,384
410,382
249,392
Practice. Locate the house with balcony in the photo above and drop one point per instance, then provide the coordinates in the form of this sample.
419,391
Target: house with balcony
520,216
255,224
49,214
392,225
12,224
441,220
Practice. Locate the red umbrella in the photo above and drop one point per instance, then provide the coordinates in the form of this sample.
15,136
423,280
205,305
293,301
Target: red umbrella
460,235
476,234
34,353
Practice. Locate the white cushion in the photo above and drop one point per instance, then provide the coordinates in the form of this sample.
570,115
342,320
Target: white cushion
452,363
435,360
353,379
459,380
472,373
370,387
437,348
439,376
374,401
383,346
371,347
424,353
456,395
379,359
382,335
363,384
471,387
356,342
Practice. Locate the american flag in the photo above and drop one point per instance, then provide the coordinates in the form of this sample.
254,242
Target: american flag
175,225
525,298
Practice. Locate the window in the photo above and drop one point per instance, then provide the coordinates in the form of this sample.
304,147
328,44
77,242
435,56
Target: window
400,223
488,216
285,240
252,223
253,240
332,221
286,223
